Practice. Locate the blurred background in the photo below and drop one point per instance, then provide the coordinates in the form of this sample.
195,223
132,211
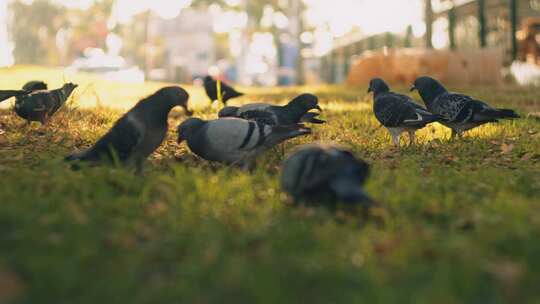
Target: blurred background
277,42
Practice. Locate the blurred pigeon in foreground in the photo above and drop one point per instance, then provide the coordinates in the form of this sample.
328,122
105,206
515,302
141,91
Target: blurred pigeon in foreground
234,140
397,112
139,132
40,105
227,92
459,112
294,112
317,172
6,94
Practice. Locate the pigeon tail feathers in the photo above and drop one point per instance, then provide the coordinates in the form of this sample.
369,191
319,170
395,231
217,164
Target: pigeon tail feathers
281,133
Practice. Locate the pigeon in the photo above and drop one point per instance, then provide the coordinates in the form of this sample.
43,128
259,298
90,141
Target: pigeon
234,141
325,172
40,105
6,94
227,92
397,112
139,132
296,111
459,112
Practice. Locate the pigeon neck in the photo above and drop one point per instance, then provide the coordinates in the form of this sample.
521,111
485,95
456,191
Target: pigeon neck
379,93
428,96
156,113
295,110
65,92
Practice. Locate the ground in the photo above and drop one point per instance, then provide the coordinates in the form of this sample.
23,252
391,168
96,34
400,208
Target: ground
460,221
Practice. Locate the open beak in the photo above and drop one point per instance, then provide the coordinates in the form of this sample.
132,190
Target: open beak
413,88
187,111
318,108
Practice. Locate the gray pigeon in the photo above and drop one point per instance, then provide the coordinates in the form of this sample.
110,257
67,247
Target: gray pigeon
323,172
139,132
234,140
296,111
459,112
397,112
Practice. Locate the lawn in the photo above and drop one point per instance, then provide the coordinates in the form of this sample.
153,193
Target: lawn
460,223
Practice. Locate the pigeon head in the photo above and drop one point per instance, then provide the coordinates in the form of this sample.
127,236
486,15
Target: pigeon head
305,103
377,86
35,85
428,88
68,88
174,96
187,128
228,112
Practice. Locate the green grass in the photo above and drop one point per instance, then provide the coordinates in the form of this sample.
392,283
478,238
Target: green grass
461,222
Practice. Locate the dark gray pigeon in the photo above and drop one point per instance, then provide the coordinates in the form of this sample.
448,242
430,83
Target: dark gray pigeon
139,132
397,112
296,111
459,112
234,140
40,105
227,92
319,173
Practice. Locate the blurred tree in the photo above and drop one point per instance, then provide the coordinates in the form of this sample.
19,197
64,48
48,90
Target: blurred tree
51,34
428,17
34,27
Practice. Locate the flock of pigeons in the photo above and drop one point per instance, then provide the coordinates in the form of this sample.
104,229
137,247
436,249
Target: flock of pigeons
315,172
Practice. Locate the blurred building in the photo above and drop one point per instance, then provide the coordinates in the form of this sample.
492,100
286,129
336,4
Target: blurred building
469,24
188,45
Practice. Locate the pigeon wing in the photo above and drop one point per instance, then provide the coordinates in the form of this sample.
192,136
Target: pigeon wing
261,116
392,111
121,140
453,107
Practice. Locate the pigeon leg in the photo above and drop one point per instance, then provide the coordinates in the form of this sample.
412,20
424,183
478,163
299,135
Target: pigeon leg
43,119
139,166
395,140
454,134
412,137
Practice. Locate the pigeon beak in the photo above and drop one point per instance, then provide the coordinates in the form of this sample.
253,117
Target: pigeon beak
413,88
186,110
318,108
